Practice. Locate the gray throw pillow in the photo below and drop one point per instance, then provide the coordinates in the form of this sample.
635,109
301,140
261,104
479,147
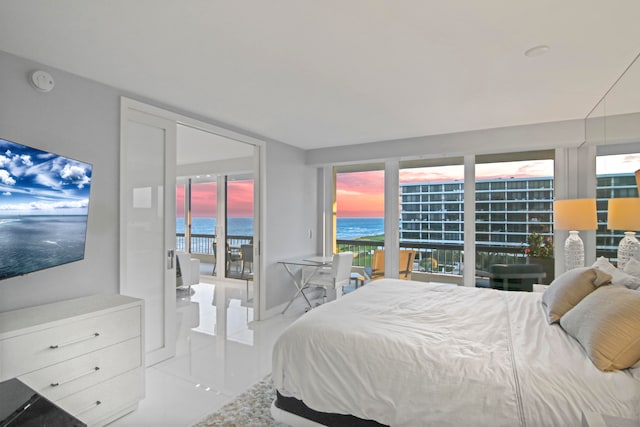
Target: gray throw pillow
568,289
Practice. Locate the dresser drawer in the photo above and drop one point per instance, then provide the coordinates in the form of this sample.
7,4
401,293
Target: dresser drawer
99,402
26,353
65,378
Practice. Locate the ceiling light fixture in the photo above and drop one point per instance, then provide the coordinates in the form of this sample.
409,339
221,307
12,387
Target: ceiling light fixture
537,51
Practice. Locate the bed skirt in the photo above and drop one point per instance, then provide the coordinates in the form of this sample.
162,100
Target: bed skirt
297,407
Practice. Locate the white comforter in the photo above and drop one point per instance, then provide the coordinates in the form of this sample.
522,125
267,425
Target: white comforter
417,354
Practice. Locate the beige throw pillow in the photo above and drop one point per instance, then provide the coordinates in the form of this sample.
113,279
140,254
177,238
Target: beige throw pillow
568,289
607,325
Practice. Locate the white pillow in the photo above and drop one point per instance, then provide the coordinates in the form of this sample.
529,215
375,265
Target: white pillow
618,277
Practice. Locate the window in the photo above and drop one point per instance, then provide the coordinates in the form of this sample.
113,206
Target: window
239,210
441,184
359,208
197,215
520,189
614,179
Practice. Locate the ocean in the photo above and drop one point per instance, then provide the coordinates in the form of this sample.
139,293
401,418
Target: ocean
238,226
30,243
347,228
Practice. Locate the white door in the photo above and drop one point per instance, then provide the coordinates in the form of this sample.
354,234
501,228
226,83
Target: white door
147,221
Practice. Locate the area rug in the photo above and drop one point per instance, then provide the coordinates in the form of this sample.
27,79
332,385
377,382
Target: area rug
250,409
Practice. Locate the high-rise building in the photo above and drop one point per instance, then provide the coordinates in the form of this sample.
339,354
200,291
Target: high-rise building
507,210
609,187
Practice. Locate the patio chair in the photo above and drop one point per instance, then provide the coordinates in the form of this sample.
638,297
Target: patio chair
233,256
246,252
376,271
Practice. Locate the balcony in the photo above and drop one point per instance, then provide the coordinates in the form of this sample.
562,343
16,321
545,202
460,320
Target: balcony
435,260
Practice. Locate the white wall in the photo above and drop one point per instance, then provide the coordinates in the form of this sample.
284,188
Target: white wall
291,209
500,140
78,119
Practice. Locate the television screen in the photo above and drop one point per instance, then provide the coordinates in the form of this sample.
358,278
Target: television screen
44,206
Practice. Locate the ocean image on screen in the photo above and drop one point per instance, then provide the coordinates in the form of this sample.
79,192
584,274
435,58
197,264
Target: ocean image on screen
44,206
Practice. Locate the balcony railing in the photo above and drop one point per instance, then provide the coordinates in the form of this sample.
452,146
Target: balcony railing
202,244
430,257
436,258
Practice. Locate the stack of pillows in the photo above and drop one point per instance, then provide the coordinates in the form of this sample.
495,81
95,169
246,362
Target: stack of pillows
599,306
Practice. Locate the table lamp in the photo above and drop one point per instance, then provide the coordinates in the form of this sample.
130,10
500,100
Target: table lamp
574,215
624,214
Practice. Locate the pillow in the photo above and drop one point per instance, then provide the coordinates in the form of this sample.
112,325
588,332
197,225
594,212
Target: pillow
606,323
618,276
569,288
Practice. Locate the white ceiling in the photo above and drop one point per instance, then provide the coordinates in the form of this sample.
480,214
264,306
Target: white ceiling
333,72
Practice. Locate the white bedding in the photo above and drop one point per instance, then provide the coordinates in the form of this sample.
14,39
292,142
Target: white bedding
415,354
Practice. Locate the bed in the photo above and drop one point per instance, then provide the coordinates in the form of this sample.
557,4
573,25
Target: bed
406,353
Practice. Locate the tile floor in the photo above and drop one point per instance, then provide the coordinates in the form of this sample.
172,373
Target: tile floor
220,353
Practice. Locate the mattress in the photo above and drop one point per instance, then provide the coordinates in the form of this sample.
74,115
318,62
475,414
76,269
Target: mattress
406,353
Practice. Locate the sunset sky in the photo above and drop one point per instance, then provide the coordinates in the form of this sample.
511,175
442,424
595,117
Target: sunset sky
361,194
203,199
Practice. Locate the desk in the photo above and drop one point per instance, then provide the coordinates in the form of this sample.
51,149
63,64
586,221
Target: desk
313,261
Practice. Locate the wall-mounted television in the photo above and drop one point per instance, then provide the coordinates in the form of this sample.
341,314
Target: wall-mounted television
44,207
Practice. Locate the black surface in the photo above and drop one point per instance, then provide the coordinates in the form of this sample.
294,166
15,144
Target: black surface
22,406
297,407
515,277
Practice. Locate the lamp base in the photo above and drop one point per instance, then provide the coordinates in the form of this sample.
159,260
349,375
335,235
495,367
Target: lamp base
628,248
573,251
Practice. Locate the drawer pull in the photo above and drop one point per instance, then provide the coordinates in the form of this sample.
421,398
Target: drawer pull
94,335
93,405
77,377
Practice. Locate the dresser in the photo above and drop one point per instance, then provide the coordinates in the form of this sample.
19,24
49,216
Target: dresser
86,355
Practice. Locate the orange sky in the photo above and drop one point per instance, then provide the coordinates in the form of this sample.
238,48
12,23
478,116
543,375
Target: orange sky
203,199
361,194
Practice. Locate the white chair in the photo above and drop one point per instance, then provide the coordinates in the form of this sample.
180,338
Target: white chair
333,279
187,271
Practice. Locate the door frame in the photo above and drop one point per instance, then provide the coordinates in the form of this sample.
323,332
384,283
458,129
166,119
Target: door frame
259,187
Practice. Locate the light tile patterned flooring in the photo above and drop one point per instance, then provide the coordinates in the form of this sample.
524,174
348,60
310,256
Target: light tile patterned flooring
220,353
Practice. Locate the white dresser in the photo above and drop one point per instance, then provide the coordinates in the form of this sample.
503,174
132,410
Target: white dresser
85,354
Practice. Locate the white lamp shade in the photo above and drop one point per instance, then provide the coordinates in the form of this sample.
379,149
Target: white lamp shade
575,214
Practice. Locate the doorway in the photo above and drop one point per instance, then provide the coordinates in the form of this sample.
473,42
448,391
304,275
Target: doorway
150,161
217,218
